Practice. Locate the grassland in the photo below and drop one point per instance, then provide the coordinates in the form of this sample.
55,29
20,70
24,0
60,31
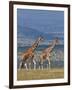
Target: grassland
40,74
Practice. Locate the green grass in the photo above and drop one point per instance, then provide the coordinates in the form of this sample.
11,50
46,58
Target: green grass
40,74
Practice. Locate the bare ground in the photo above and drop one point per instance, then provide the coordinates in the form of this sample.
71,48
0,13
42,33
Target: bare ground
40,74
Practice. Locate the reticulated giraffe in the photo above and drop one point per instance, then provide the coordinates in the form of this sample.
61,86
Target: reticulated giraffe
46,53
28,55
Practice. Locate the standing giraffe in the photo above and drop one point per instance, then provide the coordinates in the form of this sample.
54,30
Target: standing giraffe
28,55
46,53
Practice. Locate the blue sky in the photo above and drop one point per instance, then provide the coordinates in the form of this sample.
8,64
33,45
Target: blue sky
42,20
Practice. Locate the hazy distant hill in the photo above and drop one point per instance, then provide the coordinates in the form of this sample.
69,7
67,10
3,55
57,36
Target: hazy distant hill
27,35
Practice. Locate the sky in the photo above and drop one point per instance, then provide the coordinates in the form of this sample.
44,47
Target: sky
45,21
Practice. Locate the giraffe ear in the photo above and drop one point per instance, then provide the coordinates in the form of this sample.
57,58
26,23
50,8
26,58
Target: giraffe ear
57,41
42,38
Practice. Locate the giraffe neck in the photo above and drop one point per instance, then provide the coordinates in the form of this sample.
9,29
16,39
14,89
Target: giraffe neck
53,45
35,45
49,49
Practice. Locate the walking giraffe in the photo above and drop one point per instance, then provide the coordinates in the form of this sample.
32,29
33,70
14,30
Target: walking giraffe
46,53
28,55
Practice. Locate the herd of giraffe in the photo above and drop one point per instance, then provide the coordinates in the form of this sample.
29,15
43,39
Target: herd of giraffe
28,56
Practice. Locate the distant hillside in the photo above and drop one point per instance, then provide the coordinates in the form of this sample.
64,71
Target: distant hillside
27,35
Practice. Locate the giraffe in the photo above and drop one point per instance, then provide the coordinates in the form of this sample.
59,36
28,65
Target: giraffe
46,53
28,55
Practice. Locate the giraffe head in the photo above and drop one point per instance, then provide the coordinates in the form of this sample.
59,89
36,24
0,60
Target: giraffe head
39,39
56,41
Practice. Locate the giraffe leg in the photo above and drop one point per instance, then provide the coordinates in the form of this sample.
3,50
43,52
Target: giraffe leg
49,63
21,64
49,66
41,62
29,65
39,65
42,65
34,64
26,66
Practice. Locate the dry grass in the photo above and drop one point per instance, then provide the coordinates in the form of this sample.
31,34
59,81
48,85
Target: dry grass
40,74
